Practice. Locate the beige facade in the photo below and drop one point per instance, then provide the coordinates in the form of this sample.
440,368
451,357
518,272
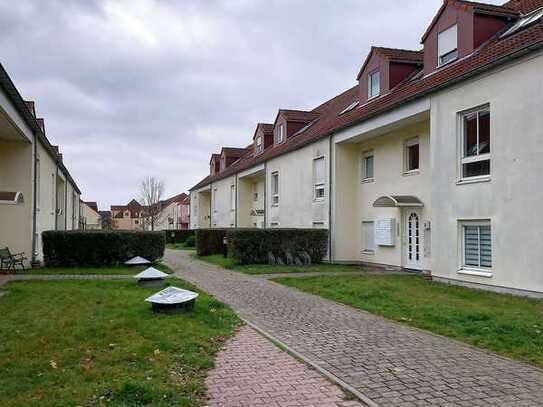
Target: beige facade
90,218
128,217
33,169
438,172
174,213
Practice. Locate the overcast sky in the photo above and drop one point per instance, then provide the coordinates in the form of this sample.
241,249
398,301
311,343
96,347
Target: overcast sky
130,88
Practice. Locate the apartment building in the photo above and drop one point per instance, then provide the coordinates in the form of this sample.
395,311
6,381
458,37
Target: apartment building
430,162
174,213
37,192
128,217
90,218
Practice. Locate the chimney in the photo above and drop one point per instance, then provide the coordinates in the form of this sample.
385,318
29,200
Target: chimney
41,123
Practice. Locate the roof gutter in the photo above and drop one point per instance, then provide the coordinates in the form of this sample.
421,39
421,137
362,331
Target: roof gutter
468,75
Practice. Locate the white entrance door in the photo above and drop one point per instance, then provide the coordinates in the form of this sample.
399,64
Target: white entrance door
413,247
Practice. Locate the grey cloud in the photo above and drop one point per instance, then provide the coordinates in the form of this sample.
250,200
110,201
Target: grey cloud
136,87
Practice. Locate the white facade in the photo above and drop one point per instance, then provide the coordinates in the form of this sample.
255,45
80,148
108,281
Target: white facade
30,166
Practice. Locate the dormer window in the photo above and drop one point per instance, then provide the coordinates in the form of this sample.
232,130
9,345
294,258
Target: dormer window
259,145
447,44
280,134
374,84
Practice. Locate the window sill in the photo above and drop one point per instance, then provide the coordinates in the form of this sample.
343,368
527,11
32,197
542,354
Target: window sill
476,272
474,180
319,199
367,180
411,173
275,205
368,252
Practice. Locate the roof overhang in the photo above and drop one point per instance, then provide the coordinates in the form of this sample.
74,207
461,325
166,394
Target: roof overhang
398,201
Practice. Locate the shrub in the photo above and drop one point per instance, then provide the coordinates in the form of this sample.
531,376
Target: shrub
178,236
191,241
209,241
100,248
251,246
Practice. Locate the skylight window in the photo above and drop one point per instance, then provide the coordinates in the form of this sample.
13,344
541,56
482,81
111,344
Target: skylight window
525,21
349,108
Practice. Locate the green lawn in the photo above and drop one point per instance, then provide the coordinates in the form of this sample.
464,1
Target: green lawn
119,270
512,326
97,343
231,264
179,246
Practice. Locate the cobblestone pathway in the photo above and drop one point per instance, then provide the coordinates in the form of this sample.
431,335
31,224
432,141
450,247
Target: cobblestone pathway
251,371
391,364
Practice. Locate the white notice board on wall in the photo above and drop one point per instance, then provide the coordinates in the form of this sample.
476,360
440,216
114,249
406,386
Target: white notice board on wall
385,232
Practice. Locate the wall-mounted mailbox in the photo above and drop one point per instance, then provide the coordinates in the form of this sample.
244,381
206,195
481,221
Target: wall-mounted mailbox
385,232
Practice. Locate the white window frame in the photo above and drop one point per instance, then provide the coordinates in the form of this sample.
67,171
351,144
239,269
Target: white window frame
280,134
410,142
450,51
363,170
38,182
371,76
232,197
259,144
480,271
275,183
367,249
214,199
462,147
319,185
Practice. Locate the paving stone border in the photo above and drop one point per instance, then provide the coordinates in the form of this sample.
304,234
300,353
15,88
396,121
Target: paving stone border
389,363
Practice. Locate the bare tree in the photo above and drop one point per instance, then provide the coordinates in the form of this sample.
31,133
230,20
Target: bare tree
151,192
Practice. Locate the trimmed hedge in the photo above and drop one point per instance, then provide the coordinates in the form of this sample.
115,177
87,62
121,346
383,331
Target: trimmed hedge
209,241
252,246
100,248
178,236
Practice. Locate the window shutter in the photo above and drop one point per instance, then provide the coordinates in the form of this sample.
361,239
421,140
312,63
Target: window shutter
319,170
447,40
485,246
471,245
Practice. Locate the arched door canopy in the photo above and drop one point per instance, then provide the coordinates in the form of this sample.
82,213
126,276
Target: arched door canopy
398,201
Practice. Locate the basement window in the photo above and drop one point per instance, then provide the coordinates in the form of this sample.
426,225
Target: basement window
476,245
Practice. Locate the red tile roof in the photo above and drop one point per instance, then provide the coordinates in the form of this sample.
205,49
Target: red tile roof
497,51
394,54
92,205
179,198
504,10
524,6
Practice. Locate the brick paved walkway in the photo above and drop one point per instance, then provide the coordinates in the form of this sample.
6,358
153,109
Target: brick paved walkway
392,364
253,372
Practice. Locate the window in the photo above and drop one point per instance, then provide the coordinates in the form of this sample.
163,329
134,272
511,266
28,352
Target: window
136,222
475,160
374,84
255,196
280,134
447,45
275,188
319,178
412,154
53,194
367,166
214,199
233,197
259,144
368,237
349,108
38,187
476,245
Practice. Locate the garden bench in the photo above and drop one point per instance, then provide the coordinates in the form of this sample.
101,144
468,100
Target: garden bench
9,261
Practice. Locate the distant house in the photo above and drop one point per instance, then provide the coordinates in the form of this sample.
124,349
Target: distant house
90,217
429,162
174,213
128,217
37,192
